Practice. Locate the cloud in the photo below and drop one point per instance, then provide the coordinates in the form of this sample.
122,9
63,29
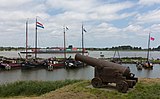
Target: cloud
72,5
104,30
133,28
155,28
89,10
149,2
148,17
101,18
13,3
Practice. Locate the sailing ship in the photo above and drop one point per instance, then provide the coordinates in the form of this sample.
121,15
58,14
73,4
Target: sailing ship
32,63
148,64
50,63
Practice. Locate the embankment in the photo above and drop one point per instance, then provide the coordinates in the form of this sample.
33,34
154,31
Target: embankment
144,89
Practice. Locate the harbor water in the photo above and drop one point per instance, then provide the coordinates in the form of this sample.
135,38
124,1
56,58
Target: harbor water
86,73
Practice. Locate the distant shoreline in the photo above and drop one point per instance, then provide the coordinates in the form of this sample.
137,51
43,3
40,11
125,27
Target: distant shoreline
114,48
88,50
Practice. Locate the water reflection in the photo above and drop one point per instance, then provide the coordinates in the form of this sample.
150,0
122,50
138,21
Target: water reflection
44,75
62,74
80,73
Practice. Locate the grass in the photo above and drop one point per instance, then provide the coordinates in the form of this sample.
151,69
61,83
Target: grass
32,88
144,89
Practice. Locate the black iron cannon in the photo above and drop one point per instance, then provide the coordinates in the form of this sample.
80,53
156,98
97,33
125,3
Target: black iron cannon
109,72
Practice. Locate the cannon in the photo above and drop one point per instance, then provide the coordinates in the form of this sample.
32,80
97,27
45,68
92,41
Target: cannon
108,72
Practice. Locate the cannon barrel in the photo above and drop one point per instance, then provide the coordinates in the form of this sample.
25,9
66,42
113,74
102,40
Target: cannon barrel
103,64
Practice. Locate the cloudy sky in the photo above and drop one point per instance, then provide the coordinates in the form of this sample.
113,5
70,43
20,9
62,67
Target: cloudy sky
108,22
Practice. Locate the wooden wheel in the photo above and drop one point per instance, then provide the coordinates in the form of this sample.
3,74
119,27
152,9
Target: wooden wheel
96,82
122,86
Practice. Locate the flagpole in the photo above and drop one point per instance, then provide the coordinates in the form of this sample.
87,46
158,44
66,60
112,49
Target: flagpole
148,48
64,43
27,40
36,40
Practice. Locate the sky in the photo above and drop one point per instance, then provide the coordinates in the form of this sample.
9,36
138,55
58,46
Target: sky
107,22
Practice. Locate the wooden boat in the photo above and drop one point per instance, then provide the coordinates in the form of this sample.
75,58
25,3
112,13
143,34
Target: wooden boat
139,66
53,63
9,64
34,64
71,63
148,64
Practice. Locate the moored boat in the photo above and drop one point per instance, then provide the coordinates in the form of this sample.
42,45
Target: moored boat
9,64
148,64
139,66
53,63
34,64
72,63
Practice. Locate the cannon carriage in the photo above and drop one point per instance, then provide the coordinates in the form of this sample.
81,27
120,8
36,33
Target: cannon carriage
109,72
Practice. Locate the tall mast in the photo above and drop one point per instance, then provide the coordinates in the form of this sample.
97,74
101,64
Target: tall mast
36,41
82,40
148,47
27,40
64,42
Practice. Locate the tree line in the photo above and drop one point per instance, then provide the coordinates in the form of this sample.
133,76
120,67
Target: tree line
127,47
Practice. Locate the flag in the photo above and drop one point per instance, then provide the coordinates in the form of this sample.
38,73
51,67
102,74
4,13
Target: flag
84,30
152,38
67,28
38,24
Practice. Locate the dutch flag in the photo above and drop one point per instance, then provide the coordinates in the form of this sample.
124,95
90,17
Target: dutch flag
38,24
